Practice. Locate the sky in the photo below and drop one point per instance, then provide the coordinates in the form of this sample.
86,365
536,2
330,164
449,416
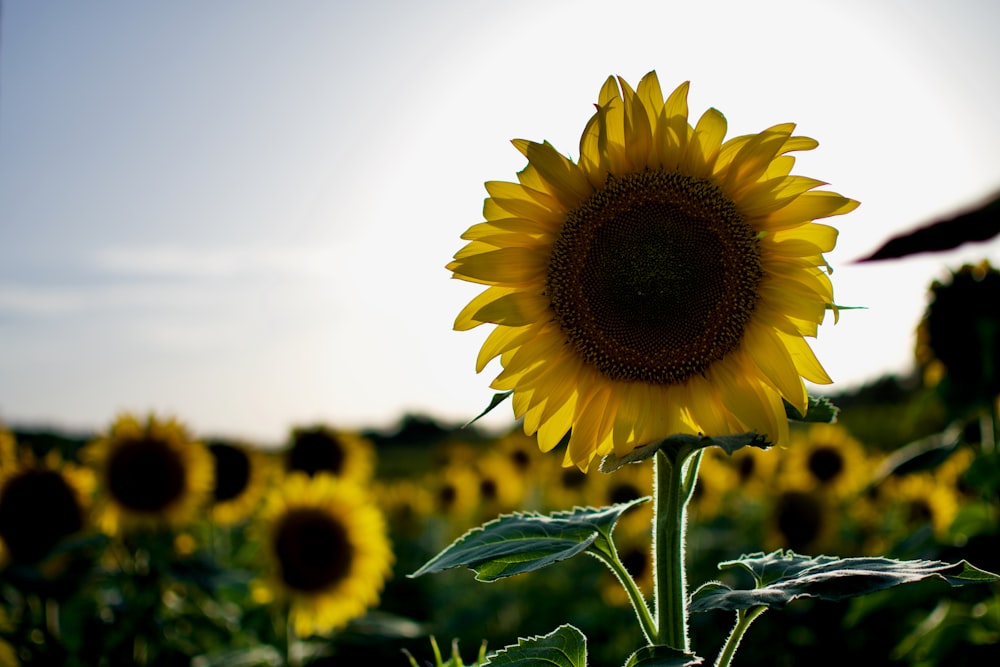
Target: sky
239,212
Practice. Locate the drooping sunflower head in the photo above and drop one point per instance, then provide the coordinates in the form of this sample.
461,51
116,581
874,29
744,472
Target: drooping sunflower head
958,339
319,449
151,472
41,504
241,476
661,284
328,551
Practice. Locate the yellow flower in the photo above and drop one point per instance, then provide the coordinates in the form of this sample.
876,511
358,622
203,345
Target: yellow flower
661,284
328,552
339,453
41,504
152,474
825,458
241,477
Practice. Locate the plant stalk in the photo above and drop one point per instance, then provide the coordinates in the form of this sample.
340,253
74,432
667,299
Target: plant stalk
670,498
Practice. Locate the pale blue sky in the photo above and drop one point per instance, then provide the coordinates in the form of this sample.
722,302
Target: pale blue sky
238,212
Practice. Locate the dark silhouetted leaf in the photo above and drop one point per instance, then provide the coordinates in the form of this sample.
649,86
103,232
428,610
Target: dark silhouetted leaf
978,224
785,576
819,410
686,443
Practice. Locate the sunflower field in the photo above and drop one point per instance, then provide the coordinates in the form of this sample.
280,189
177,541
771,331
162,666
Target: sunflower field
651,303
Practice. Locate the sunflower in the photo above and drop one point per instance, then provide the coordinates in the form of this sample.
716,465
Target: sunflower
152,474
241,476
328,551
826,458
501,489
661,284
805,521
958,338
321,449
717,479
41,504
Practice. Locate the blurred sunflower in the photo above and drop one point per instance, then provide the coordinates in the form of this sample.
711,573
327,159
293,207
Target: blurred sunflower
455,491
405,505
662,284
41,504
802,520
321,449
958,339
916,500
151,474
628,483
241,476
825,458
501,488
328,552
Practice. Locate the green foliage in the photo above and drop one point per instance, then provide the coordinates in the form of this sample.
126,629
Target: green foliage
527,541
678,447
820,410
563,647
662,656
497,399
781,577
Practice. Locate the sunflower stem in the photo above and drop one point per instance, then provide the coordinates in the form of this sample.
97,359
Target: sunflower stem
671,494
635,596
744,617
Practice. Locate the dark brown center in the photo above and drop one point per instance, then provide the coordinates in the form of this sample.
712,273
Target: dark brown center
825,464
313,550
146,475
37,510
654,277
316,450
232,471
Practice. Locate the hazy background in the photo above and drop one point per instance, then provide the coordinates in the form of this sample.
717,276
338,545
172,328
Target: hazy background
238,212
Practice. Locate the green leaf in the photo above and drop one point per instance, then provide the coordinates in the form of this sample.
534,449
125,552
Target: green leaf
563,647
681,444
497,399
819,411
785,576
527,541
662,656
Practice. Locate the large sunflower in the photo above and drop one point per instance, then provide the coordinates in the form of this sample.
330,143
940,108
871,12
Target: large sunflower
151,473
328,550
661,284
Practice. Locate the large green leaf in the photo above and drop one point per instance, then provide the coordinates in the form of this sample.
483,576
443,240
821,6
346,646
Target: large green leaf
662,656
785,576
527,541
679,445
563,647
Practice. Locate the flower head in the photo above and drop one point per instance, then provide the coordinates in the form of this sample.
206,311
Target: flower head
319,449
151,472
328,551
241,476
661,284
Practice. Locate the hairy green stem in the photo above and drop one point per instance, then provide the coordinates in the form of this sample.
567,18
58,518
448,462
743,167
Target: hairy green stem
632,589
670,497
744,617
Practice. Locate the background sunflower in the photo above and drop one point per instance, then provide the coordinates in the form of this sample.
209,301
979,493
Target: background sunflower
328,552
151,474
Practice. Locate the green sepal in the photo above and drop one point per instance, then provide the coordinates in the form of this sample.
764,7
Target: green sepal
527,541
679,446
818,411
497,399
662,656
781,577
563,647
